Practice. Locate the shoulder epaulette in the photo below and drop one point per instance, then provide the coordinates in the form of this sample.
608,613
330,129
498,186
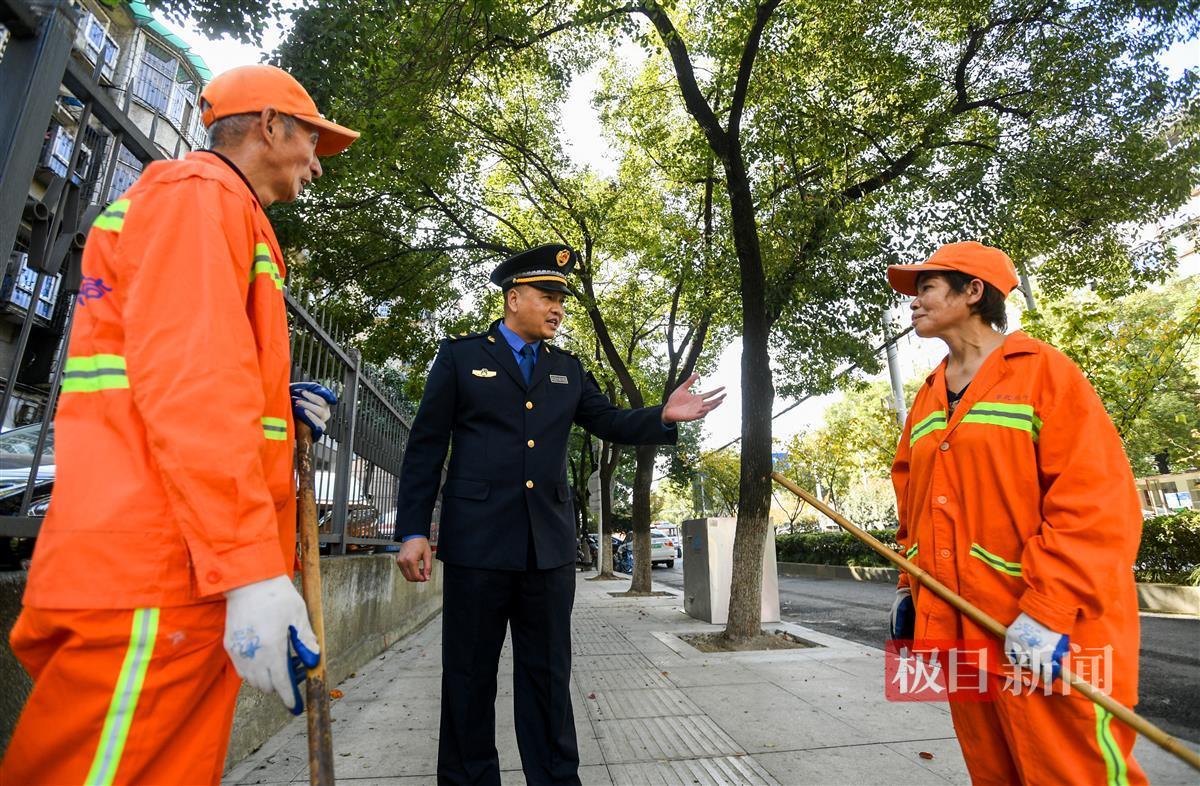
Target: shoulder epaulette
464,336
558,349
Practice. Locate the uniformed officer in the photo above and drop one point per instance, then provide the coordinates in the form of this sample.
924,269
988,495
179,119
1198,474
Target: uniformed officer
507,530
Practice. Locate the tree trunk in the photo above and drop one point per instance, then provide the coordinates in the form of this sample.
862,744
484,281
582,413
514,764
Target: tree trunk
758,397
643,475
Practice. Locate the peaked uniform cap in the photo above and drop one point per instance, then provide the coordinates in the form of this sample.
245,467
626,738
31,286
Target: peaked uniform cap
545,267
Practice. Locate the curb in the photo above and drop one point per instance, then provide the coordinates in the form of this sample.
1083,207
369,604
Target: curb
1169,599
808,570
1154,598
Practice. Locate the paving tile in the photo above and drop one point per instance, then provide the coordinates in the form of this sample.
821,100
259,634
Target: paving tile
1164,768
852,765
947,762
763,717
690,676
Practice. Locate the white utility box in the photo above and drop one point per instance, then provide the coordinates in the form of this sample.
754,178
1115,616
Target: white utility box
708,569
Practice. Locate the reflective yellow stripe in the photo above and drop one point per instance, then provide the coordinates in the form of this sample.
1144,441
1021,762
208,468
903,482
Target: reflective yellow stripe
912,552
125,698
1114,761
1014,416
265,265
274,428
931,423
92,373
112,219
992,561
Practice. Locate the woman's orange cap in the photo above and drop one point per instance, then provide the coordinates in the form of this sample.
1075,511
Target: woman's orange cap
985,263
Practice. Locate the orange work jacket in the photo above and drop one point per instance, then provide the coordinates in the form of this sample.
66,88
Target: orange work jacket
174,436
1023,501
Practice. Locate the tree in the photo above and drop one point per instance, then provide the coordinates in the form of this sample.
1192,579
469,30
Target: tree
1140,353
847,135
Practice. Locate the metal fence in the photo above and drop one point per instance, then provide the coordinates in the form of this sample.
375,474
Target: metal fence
357,462
356,487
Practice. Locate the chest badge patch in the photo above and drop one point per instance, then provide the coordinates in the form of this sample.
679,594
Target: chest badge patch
558,379
483,372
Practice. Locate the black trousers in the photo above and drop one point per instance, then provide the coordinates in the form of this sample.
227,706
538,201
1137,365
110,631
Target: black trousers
478,606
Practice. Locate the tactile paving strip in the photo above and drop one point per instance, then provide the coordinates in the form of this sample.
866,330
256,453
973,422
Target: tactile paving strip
630,679
650,703
725,771
657,739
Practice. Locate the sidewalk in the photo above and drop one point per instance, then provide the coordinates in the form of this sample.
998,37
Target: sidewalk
649,709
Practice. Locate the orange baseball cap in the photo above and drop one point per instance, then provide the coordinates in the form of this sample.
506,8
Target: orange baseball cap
253,88
985,263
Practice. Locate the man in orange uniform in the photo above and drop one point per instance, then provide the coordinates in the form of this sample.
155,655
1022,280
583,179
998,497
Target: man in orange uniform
1014,491
162,571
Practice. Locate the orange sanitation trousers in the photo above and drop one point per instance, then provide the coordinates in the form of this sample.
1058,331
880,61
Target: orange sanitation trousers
1037,740
139,696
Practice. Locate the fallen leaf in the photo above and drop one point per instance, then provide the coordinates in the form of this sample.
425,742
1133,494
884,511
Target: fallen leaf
591,695
925,755
665,674
336,694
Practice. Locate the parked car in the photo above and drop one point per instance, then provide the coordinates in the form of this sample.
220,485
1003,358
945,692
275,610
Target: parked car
17,447
662,552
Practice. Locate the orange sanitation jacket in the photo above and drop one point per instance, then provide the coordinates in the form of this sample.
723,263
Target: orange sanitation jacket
174,436
1023,501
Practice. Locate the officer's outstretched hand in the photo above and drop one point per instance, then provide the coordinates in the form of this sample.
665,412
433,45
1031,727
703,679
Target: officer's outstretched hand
684,406
260,620
415,559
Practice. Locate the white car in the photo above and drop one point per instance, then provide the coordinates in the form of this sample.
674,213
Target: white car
662,549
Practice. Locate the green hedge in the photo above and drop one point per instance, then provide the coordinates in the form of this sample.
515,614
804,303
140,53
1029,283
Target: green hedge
1170,551
831,548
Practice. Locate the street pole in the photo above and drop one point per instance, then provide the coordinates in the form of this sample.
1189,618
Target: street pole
893,363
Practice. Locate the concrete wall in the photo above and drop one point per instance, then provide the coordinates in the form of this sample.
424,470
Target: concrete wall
368,607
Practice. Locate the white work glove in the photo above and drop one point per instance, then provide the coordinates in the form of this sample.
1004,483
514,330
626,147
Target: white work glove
1031,645
260,618
903,618
311,404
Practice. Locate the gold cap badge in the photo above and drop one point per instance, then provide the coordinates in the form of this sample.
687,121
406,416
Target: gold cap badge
563,257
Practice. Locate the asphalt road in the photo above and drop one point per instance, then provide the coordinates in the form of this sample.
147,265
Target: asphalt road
1169,679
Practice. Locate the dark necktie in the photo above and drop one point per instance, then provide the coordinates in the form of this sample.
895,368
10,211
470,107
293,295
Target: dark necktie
526,362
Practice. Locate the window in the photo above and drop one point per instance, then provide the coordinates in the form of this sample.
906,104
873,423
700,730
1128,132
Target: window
183,95
111,53
156,78
57,155
125,174
93,36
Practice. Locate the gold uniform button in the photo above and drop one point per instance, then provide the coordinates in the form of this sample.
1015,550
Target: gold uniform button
941,500
945,446
529,484
529,443
528,405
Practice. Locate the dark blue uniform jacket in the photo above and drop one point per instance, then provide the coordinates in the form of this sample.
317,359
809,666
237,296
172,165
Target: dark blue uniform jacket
507,477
